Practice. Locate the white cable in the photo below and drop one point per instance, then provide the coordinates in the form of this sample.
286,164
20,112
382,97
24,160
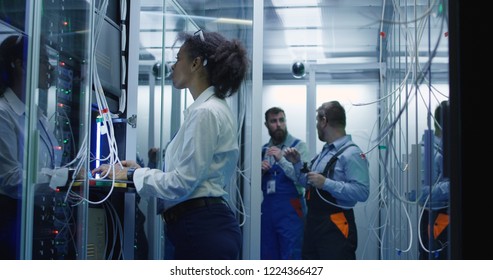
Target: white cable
106,116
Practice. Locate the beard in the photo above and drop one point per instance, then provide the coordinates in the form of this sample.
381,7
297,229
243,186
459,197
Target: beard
278,136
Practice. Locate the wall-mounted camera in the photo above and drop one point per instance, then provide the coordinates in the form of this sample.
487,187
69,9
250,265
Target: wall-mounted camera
298,70
157,69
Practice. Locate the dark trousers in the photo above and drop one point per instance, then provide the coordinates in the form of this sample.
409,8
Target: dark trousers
9,228
327,238
211,232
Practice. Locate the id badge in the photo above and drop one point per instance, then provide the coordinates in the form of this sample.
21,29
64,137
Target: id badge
271,186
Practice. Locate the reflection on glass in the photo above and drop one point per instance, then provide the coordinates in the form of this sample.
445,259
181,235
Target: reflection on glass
435,191
42,128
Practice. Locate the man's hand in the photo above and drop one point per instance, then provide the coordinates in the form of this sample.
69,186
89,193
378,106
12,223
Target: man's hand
265,166
275,152
315,179
153,155
292,155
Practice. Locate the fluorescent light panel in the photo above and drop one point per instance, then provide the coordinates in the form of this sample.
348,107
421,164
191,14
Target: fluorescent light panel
302,22
300,17
294,3
308,37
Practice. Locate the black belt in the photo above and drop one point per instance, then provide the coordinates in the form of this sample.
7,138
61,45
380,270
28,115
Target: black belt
174,213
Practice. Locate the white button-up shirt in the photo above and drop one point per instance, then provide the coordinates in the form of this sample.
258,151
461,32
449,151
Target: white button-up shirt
200,160
12,136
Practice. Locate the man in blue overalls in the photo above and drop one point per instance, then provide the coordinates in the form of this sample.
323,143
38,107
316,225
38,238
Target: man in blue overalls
283,206
435,192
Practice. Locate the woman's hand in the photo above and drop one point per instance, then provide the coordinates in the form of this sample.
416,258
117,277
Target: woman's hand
115,171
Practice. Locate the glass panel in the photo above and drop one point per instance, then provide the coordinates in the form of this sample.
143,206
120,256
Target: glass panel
160,105
415,186
63,68
390,97
44,127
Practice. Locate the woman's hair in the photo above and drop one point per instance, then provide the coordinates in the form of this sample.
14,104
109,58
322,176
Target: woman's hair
11,49
225,60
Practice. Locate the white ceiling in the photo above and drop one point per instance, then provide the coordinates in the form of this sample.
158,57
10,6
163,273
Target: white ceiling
340,39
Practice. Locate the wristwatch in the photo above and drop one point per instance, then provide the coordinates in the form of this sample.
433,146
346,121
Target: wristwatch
130,174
